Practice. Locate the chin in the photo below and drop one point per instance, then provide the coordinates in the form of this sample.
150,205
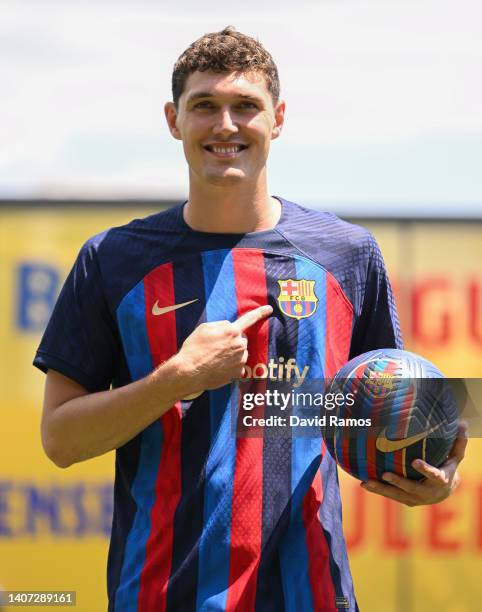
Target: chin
230,177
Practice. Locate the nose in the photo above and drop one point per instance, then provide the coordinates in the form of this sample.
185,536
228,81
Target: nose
224,124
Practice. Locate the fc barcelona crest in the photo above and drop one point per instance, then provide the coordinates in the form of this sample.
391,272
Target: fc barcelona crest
297,298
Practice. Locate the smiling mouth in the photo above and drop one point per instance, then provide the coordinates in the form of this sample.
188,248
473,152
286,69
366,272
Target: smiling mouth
230,150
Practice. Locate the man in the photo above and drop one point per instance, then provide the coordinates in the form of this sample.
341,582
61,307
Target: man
169,310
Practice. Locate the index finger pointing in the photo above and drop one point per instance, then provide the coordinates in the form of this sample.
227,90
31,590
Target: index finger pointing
253,316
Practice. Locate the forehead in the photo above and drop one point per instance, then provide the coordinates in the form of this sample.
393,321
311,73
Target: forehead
225,84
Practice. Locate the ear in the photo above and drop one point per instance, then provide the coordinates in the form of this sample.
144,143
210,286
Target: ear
171,117
279,118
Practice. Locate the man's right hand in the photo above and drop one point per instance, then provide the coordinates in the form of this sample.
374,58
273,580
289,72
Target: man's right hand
216,353
78,425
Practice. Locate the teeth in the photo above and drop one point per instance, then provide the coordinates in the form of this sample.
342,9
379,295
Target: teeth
226,150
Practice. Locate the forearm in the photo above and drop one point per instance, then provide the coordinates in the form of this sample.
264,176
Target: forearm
77,425
92,424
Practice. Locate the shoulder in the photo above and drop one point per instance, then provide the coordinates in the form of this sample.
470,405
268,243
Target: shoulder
325,234
120,256
153,227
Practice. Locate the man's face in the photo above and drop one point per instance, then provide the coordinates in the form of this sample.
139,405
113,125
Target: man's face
226,123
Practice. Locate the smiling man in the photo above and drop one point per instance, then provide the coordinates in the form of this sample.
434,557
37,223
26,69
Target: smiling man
226,121
236,149
159,317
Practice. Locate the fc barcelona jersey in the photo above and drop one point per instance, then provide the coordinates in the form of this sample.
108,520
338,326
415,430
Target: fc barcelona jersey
204,519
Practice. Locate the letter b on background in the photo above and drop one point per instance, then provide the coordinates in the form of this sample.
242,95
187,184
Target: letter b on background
37,290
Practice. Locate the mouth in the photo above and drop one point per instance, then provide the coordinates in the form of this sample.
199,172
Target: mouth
225,151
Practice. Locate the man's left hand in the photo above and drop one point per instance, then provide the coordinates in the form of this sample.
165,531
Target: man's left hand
437,485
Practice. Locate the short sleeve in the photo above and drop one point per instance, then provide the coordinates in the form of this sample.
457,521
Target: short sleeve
376,325
81,339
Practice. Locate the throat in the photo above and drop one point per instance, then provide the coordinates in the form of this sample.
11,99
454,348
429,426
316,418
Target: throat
230,217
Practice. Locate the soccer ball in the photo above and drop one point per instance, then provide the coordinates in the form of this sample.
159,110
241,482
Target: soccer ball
397,407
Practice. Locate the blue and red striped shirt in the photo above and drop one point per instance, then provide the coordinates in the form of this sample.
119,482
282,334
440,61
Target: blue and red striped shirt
204,519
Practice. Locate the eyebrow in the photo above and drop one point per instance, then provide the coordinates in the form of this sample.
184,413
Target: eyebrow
209,94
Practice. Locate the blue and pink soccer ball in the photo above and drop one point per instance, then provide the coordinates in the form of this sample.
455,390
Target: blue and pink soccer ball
412,408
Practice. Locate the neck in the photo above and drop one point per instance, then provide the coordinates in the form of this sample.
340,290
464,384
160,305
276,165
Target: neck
231,210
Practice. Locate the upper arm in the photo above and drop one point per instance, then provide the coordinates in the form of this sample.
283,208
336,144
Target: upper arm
81,339
58,390
376,323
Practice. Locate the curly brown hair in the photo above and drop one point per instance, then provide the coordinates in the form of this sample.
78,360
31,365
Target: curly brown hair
225,51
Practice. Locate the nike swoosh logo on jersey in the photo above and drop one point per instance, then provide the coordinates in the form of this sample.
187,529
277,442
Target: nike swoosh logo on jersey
385,445
156,310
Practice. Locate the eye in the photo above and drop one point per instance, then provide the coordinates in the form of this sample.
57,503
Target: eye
246,105
203,105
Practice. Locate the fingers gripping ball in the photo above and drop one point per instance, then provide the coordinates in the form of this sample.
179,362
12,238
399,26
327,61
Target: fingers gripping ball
412,409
